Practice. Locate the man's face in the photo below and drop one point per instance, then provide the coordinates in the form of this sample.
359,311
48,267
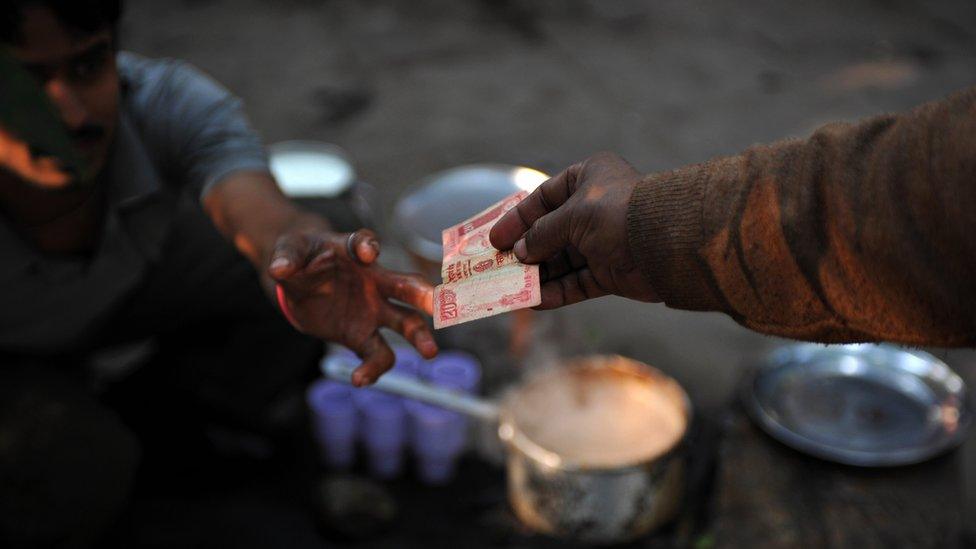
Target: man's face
77,72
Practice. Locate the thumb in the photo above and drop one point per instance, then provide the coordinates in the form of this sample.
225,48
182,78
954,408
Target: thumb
287,257
546,237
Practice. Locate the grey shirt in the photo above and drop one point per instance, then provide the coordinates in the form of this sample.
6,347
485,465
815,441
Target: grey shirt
179,131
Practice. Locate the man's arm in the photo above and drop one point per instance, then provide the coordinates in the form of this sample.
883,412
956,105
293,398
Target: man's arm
861,232
327,283
250,210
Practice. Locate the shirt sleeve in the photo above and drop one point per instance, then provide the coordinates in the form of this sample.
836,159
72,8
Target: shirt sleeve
194,127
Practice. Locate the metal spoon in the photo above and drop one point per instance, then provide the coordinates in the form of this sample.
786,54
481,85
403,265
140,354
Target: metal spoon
339,370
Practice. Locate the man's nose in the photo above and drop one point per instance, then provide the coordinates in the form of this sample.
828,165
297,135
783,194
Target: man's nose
69,105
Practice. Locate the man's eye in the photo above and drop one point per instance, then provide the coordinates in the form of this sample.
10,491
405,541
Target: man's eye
83,70
89,66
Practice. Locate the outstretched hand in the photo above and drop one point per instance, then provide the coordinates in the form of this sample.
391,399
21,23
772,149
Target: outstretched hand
334,290
575,226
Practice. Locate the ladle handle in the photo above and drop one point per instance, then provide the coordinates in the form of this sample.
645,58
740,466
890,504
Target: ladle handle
399,385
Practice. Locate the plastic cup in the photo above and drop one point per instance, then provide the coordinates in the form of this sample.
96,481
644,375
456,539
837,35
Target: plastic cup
408,361
455,370
334,422
383,430
437,437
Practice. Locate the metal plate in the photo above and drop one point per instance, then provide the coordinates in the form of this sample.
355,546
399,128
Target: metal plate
448,197
866,405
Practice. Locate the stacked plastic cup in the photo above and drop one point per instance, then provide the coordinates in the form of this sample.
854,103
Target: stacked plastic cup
384,422
383,431
408,361
455,370
383,419
334,419
438,436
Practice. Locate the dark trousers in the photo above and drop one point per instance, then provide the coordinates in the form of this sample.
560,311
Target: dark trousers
220,355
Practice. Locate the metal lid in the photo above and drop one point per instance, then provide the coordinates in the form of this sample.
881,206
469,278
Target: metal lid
310,169
866,405
449,197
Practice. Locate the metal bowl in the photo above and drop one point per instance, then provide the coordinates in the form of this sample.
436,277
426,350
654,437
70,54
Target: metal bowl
448,197
311,169
865,405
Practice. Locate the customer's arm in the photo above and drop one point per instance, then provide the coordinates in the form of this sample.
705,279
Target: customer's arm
864,231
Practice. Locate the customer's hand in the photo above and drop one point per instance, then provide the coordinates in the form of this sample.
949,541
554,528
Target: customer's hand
336,292
575,226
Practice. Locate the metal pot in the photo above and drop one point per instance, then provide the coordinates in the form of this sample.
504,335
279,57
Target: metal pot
616,494
322,179
604,501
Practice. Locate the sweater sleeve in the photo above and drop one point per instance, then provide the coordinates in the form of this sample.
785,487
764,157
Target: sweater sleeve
862,232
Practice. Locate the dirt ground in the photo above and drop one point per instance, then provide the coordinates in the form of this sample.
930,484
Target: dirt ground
409,88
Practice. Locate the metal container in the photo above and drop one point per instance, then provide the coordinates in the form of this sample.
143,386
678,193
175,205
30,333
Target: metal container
322,179
614,498
311,169
597,503
865,405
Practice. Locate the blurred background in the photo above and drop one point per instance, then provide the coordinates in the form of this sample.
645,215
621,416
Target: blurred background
410,88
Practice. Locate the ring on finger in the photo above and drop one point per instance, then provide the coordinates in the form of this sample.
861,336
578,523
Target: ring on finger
351,248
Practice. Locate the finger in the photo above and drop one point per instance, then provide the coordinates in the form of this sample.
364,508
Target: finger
546,198
569,289
412,327
411,289
323,261
301,259
377,359
287,256
361,246
566,261
548,236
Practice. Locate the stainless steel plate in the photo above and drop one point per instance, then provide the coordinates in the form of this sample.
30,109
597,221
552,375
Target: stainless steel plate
866,405
448,197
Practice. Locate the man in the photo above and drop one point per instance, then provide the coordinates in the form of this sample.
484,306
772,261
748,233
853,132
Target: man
119,245
863,232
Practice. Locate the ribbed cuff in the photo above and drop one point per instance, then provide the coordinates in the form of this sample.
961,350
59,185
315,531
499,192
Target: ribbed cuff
664,228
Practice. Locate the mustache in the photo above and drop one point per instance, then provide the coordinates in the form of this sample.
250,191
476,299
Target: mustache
88,132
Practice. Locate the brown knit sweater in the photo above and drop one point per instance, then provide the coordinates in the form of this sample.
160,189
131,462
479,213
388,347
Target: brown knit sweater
863,232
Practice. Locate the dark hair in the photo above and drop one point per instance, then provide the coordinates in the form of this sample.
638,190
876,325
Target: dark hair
85,16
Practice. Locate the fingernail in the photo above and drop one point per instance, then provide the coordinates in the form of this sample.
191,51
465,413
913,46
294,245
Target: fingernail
374,244
280,263
520,251
358,379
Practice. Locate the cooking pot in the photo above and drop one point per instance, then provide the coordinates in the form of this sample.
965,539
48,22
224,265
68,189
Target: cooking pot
594,447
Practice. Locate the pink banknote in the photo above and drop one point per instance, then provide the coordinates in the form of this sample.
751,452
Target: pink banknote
478,280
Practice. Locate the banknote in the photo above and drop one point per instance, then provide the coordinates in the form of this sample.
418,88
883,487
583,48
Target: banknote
478,280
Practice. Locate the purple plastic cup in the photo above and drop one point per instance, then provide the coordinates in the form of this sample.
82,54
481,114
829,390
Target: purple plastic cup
437,437
342,352
334,422
383,430
455,370
408,361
